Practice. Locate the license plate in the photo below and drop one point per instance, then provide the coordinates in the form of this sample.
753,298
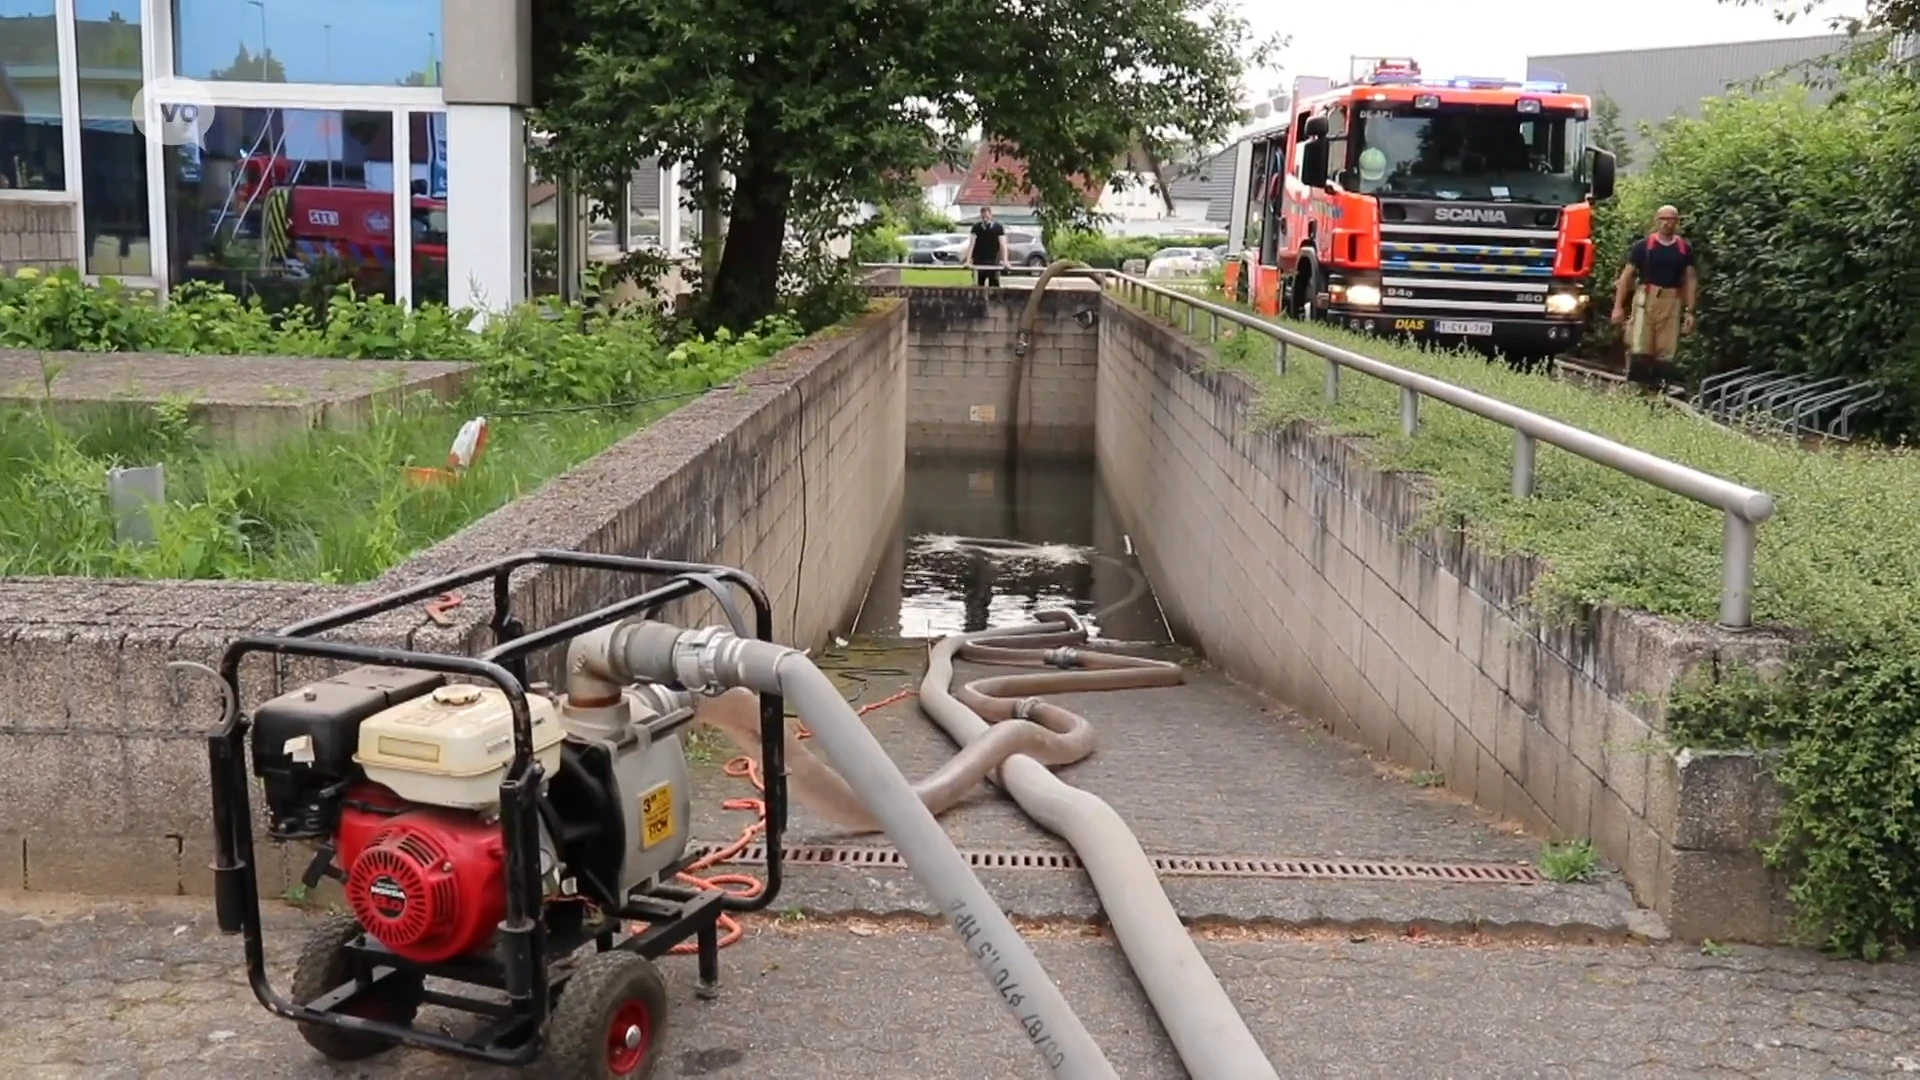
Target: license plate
1452,326
656,815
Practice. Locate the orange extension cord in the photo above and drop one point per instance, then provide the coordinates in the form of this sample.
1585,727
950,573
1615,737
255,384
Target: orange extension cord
747,886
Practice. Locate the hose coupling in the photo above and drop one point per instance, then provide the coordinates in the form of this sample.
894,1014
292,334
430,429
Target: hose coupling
700,655
1023,708
1066,656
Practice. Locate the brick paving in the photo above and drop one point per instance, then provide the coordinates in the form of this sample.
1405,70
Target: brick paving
118,991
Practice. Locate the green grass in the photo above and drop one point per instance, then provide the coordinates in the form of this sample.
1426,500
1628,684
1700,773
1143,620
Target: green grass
937,276
325,506
1842,552
1572,861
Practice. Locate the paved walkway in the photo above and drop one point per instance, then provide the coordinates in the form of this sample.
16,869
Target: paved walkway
149,991
1207,768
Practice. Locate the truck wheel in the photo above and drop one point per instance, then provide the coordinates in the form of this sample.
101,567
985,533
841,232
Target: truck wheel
324,966
611,1022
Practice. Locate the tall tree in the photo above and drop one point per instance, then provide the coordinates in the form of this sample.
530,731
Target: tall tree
1894,16
815,107
1607,132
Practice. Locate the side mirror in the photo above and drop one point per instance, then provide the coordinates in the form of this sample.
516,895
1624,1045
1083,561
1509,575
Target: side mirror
1313,165
1316,127
1603,175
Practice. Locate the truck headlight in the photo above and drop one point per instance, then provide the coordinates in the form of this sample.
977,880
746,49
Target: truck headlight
1366,296
1565,303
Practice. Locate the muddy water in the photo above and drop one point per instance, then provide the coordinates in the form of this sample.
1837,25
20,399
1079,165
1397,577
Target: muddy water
1070,552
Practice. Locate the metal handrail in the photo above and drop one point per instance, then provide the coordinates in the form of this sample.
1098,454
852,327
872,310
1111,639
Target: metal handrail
1744,508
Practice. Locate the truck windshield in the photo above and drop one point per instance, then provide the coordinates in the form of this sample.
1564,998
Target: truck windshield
1470,152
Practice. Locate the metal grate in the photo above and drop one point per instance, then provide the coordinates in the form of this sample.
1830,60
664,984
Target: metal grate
1173,865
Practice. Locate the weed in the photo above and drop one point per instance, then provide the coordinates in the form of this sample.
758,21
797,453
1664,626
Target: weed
1428,779
1569,861
1710,947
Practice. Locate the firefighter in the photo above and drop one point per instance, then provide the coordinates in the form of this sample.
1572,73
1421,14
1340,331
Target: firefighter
1661,281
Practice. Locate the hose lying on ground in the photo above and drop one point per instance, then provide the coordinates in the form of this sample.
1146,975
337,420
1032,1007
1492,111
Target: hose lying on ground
1039,730
1206,1028
706,658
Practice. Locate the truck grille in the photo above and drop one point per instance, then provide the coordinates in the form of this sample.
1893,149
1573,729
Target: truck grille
1444,269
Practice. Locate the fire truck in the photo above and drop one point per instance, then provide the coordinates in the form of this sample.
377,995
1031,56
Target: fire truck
1452,210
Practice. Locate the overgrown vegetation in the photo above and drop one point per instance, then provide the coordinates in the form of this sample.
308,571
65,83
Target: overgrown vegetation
558,385
1802,216
1839,563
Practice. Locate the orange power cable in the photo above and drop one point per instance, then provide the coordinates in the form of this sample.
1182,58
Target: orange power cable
747,886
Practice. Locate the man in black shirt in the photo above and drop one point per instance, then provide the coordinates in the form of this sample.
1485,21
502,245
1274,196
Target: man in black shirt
987,249
1662,265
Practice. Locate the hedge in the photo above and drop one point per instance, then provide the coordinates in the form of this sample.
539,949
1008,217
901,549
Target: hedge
1806,219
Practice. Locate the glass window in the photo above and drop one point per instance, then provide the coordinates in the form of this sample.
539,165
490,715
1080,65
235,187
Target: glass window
643,207
285,204
31,155
1473,152
350,42
428,152
113,152
543,235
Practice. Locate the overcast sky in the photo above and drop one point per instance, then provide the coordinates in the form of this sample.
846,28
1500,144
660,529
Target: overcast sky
1495,37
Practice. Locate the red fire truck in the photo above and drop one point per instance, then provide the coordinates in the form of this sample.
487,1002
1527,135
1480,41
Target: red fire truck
355,225
1452,210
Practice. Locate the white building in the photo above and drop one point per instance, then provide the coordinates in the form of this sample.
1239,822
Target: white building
330,122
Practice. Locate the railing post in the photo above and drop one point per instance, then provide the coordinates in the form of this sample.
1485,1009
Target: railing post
1213,327
1409,412
1522,464
1333,382
1736,573
1279,357
1190,310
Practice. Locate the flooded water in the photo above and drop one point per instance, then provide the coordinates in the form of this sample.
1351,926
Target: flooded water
982,543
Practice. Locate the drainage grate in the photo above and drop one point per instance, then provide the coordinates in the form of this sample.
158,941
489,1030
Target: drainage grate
1174,865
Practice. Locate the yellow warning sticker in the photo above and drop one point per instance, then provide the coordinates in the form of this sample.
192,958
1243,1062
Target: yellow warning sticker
656,815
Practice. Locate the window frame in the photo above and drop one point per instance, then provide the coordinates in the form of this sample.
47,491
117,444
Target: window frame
401,103
66,54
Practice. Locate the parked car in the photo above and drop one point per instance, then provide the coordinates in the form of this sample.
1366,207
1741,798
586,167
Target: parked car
928,248
1025,248
1181,262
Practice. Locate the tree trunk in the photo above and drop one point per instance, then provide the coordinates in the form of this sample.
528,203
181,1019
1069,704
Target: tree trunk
747,287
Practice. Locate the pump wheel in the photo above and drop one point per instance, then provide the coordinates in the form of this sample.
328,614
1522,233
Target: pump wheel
323,966
611,1022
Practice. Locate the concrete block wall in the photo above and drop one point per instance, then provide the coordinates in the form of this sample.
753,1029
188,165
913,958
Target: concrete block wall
964,373
108,790
37,235
1287,557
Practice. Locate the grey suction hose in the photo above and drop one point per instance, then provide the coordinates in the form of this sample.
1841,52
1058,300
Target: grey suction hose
1207,1030
710,659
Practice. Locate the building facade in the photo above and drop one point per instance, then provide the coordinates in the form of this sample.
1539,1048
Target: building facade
1651,85
377,142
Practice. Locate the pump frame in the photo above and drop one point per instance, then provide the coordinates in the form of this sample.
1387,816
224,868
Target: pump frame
526,964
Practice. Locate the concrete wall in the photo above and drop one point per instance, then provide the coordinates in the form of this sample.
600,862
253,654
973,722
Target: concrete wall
36,234
244,400
1285,555
965,374
107,787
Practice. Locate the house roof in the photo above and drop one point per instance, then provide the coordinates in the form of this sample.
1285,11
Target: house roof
942,173
1209,179
980,187
29,41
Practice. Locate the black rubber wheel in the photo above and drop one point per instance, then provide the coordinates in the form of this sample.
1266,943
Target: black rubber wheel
323,966
1036,260
611,1022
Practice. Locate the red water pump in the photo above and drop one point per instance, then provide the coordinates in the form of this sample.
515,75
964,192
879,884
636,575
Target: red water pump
429,883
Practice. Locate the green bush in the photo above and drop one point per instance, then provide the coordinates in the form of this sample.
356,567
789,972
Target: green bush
1839,564
1110,252
1803,218
556,386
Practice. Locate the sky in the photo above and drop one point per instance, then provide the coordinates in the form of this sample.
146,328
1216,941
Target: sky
1495,37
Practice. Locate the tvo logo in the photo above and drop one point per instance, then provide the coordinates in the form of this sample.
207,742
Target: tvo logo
174,112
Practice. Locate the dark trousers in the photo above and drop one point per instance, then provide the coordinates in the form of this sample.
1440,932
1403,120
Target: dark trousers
987,275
